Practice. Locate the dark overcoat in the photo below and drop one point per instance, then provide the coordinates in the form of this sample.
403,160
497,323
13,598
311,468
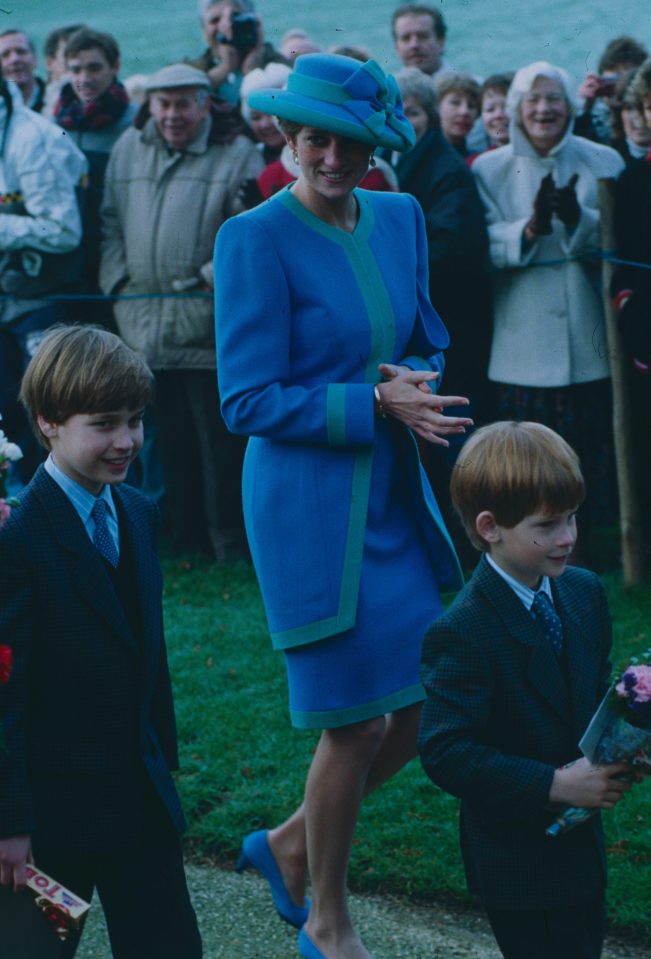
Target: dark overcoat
502,713
87,715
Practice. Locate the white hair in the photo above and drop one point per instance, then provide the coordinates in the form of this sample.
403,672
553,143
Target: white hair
524,80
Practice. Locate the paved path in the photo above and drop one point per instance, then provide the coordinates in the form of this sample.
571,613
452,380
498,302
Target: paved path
238,922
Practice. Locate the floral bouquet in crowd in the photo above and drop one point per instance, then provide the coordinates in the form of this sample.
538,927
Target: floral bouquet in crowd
9,453
620,730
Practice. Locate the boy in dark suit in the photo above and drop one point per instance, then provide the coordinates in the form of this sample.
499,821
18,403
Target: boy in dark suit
87,721
513,672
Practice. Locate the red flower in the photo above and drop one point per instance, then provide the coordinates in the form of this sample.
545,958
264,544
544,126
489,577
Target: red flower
6,663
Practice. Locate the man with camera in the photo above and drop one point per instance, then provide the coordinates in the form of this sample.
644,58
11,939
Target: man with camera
236,45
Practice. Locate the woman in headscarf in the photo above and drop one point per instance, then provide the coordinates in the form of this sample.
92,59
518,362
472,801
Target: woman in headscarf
549,357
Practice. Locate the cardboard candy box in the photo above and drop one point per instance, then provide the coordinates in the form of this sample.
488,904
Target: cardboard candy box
62,908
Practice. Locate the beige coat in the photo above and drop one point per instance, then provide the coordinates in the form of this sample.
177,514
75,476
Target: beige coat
160,214
549,327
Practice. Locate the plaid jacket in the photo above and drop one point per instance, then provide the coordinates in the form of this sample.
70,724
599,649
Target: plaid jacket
501,714
87,716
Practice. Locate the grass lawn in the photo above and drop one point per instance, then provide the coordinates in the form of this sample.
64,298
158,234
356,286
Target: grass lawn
243,766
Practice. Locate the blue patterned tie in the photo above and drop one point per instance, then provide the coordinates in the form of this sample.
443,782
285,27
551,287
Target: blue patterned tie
101,537
549,619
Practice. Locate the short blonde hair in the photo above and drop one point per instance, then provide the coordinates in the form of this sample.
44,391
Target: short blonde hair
82,369
513,470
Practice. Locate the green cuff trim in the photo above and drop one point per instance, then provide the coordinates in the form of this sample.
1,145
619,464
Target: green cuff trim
333,718
336,414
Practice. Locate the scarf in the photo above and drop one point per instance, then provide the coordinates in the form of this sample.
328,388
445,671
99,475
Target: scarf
71,114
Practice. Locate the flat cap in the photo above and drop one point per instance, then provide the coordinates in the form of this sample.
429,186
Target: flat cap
177,75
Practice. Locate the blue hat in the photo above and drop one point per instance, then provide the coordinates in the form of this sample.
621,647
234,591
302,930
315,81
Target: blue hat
341,95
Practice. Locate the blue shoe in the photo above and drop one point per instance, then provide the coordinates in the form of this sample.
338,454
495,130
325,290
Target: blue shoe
256,854
306,947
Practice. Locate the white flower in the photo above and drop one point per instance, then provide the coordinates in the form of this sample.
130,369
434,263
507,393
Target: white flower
9,451
12,452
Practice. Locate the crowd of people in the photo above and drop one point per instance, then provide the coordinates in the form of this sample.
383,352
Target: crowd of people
361,334
131,243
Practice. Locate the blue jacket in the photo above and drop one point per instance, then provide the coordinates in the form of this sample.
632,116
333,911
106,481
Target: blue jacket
305,313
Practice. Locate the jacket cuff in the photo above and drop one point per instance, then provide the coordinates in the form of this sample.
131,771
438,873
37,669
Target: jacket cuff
350,411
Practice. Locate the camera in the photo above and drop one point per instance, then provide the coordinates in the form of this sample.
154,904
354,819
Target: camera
244,27
607,86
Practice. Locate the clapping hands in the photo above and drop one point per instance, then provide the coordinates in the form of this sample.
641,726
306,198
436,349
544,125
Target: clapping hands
551,200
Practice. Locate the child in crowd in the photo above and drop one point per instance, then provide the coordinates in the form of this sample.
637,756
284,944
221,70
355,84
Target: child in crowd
87,732
513,672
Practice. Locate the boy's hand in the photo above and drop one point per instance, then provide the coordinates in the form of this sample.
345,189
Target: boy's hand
593,787
15,853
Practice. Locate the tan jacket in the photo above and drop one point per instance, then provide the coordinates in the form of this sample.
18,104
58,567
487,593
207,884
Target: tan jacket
160,214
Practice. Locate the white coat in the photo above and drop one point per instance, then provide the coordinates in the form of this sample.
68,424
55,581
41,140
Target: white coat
40,170
40,167
549,327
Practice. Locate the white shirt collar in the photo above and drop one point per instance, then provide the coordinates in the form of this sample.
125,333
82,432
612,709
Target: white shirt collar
524,593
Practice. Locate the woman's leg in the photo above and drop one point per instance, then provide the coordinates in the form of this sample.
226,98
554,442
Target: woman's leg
348,764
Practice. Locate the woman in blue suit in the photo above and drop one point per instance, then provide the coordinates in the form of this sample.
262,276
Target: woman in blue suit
329,356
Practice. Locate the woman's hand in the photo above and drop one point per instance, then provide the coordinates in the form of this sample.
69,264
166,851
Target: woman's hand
540,223
590,88
406,396
566,205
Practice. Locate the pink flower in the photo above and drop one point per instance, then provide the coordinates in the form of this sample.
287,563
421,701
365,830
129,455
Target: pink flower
643,683
635,684
5,510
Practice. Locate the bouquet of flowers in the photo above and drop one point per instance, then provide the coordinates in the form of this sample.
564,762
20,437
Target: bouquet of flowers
9,453
620,730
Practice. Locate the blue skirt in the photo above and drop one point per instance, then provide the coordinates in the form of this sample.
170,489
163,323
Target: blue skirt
373,668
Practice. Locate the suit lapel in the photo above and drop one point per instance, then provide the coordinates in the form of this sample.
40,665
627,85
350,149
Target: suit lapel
89,577
149,584
582,646
543,669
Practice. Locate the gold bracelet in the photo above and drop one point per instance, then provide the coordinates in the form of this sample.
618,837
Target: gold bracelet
378,402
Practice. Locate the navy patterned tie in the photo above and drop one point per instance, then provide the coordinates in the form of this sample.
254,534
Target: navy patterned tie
101,537
549,619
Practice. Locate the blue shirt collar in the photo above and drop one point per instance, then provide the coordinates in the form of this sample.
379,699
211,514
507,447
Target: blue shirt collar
81,499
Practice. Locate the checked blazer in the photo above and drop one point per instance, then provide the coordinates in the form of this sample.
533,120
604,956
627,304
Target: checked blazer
87,715
502,713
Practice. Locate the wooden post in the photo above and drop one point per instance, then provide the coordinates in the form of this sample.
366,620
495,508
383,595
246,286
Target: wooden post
629,513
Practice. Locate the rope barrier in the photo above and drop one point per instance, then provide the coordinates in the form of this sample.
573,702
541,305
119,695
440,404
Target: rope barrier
597,257
68,297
